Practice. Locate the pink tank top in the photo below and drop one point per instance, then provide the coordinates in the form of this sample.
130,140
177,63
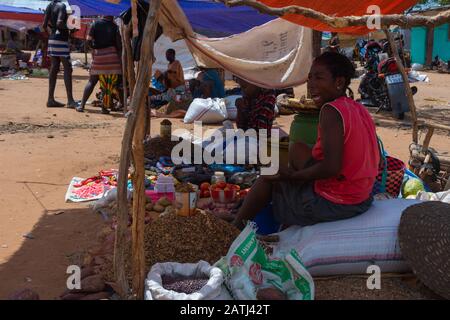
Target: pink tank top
360,160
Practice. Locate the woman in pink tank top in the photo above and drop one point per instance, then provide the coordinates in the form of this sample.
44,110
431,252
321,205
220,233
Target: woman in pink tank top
334,179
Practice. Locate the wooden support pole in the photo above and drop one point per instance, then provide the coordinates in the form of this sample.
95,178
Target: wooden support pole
401,68
124,68
434,125
429,48
138,97
317,43
138,103
426,141
130,63
401,20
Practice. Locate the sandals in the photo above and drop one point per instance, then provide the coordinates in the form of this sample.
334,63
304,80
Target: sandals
54,104
79,109
73,104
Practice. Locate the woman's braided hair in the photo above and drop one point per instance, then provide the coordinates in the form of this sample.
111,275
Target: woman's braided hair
339,66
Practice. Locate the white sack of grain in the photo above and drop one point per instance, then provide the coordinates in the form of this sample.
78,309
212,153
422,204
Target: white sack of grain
350,246
213,290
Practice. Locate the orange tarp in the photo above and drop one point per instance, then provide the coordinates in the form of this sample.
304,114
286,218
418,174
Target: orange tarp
340,8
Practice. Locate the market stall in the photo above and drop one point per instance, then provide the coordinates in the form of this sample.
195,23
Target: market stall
177,213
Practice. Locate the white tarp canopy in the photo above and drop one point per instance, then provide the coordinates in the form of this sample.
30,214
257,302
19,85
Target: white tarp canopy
277,54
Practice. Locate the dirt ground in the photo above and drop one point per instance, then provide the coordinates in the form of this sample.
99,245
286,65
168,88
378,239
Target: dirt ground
42,149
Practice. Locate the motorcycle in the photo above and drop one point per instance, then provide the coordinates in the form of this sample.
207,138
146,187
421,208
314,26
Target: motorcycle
382,86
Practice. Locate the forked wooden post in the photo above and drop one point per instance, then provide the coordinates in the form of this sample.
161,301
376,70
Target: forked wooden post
135,120
409,94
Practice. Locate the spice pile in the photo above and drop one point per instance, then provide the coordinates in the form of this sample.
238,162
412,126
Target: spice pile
184,188
183,285
172,238
159,147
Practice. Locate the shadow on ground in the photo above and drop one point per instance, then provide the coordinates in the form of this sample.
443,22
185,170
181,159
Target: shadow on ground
57,242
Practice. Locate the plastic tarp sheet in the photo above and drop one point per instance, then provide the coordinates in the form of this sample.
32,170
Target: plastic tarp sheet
19,18
281,54
280,57
340,8
206,17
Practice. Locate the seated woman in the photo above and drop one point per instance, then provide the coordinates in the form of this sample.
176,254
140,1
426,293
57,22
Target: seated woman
14,45
256,108
334,179
177,99
210,84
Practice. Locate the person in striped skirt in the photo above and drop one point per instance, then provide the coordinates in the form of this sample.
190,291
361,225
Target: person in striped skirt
104,38
55,23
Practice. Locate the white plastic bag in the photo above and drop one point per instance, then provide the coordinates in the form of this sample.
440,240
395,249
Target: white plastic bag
230,103
212,290
247,269
209,111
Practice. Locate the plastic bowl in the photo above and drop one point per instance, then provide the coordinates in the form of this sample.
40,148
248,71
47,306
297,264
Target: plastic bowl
222,196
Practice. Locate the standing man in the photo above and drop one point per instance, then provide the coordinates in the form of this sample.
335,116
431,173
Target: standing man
55,23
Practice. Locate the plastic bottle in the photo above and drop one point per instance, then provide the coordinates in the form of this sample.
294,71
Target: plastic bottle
218,177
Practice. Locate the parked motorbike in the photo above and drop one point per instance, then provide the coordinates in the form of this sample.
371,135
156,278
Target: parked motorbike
382,86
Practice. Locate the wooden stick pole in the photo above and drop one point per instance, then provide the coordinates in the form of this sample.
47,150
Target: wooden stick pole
401,20
137,100
138,104
124,68
409,94
427,140
130,64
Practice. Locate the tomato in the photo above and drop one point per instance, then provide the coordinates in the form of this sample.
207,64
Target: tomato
206,194
215,193
222,185
204,186
229,193
236,187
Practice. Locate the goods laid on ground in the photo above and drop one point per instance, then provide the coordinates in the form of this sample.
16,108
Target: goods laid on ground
251,274
209,111
350,246
185,281
92,287
92,188
183,285
433,168
187,239
24,294
158,147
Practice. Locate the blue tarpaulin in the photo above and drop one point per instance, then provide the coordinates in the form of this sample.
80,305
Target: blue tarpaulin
206,17
11,9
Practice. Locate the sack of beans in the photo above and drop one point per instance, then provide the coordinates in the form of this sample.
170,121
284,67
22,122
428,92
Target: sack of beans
185,281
